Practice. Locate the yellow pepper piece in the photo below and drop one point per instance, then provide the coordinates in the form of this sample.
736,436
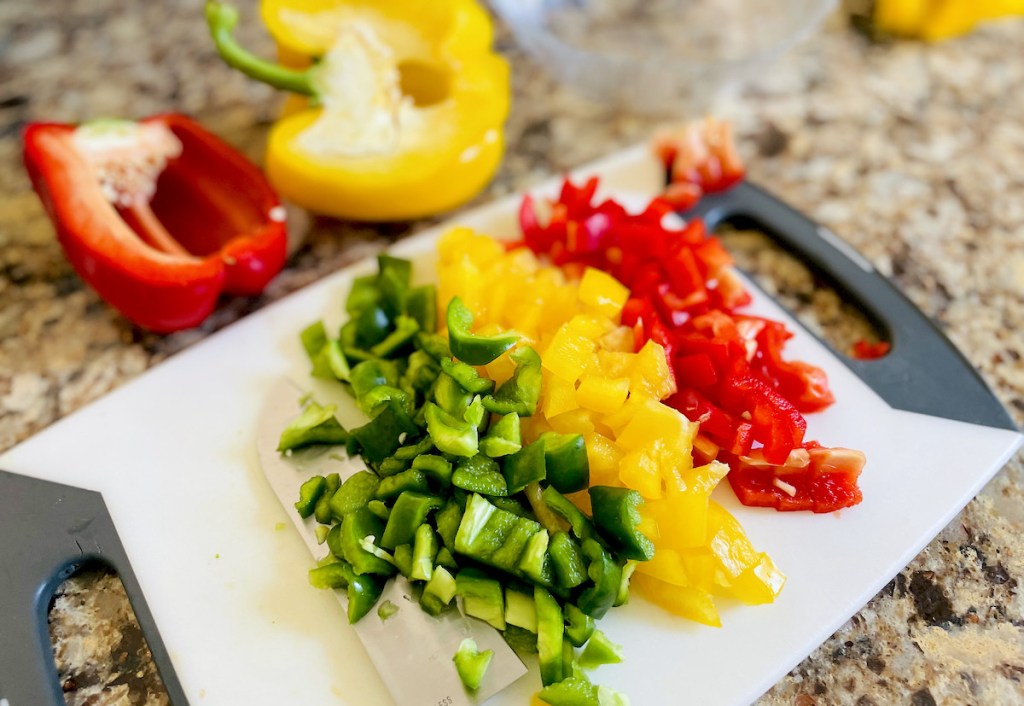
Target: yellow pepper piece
761,583
687,601
666,565
651,373
602,292
447,139
558,396
601,394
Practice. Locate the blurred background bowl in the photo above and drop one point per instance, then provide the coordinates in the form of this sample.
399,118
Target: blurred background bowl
668,57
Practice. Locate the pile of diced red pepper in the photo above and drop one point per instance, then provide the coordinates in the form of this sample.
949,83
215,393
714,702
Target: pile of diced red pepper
729,366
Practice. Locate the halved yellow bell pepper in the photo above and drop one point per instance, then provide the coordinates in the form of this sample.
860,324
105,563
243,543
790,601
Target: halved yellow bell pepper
407,103
934,20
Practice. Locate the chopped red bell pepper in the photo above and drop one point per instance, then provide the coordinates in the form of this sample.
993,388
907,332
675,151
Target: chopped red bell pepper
865,350
729,367
158,216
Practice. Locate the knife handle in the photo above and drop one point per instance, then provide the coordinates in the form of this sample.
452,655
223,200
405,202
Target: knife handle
50,532
923,371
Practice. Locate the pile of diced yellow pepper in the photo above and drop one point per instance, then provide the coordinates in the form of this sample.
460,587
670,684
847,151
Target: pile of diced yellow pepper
594,384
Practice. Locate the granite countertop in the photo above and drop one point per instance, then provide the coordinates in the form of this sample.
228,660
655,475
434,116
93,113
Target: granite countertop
912,153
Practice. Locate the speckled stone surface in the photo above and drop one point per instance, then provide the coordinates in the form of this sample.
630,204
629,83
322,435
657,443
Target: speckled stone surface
914,154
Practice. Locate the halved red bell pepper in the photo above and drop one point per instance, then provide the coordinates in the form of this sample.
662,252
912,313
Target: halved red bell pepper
158,216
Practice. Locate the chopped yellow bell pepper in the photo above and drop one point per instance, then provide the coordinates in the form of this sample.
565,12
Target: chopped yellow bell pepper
594,384
408,101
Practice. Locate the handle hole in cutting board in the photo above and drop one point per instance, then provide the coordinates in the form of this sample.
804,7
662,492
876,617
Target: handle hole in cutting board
808,294
97,641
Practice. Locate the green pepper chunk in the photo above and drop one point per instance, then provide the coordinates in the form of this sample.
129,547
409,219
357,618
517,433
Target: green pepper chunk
449,434
357,490
445,559
421,304
391,466
565,455
347,340
504,437
535,561
480,474
520,609
606,576
550,630
371,374
482,597
393,486
421,372
354,528
436,467
574,691
380,437
372,325
525,466
468,347
387,610
322,510
364,293
447,522
424,551
600,650
471,664
330,363
433,344
405,330
315,425
622,597
314,338
409,512
567,559
363,590
309,493
581,525
450,396
403,559
521,392
578,625
379,509
476,415
410,452
617,516
467,376
393,280
439,591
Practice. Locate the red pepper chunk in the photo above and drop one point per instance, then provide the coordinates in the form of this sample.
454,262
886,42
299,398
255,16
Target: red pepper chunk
819,480
160,217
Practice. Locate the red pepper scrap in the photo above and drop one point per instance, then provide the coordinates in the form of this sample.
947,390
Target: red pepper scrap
865,350
729,367
158,216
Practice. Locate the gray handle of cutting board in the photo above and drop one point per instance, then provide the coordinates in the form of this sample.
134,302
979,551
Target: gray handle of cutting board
923,372
48,532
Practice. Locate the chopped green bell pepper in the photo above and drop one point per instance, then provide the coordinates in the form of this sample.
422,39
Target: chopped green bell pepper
550,630
521,392
405,330
409,512
578,625
471,664
421,304
403,559
480,474
450,395
617,516
447,522
468,347
565,455
436,467
356,526
433,344
363,590
330,363
524,467
574,691
504,437
309,493
393,486
314,338
322,510
439,591
467,377
520,609
606,575
380,437
567,559
357,490
424,550
421,372
482,597
372,325
315,425
450,435
600,650
581,525
393,278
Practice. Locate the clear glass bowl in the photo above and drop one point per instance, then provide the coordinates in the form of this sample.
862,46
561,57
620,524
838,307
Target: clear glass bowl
658,56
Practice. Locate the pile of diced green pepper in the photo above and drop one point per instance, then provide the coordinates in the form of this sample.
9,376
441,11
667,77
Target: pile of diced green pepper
453,499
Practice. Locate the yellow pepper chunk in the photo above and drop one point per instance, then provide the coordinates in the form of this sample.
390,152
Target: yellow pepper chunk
687,601
603,293
601,394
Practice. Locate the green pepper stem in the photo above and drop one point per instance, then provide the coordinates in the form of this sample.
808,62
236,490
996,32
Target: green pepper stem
221,20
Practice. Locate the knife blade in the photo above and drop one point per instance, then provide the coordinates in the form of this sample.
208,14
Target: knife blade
412,650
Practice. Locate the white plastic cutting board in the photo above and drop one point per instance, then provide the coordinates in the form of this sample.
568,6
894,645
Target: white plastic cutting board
224,573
